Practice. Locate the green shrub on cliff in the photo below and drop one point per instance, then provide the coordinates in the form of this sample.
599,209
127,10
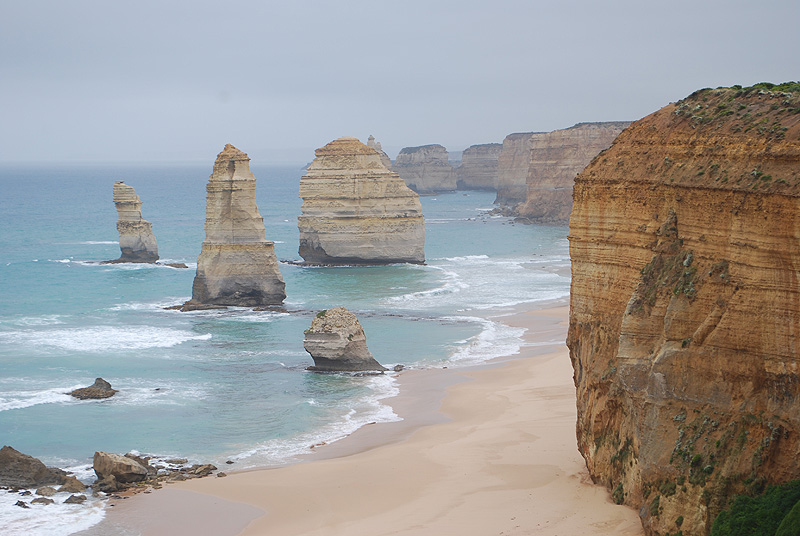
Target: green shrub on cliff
763,515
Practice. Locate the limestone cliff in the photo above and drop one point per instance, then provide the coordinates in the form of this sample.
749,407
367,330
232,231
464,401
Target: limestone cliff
136,239
685,305
555,159
237,265
336,341
426,169
478,169
385,160
512,168
355,211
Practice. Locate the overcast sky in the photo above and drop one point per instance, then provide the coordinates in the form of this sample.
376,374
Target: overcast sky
174,80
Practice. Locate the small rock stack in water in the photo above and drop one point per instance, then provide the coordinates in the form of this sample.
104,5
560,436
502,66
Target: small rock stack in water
337,342
237,265
136,239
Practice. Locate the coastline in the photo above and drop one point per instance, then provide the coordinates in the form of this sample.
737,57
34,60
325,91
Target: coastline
482,449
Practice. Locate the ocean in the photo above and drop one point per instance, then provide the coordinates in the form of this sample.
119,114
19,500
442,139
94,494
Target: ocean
221,385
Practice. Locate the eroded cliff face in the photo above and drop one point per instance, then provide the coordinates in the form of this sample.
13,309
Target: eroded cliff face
478,169
555,159
355,211
512,168
237,265
685,306
426,169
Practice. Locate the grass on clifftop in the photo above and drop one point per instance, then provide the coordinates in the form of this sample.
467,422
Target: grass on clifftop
775,513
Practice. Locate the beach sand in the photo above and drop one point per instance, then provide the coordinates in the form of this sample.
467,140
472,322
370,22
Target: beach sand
493,453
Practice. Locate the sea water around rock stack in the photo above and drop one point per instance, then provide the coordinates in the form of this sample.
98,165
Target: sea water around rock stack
337,343
355,211
136,239
685,305
237,265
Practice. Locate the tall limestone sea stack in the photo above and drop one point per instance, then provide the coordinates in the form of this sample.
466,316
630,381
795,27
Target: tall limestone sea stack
355,211
512,168
555,159
685,305
237,265
136,239
426,169
478,169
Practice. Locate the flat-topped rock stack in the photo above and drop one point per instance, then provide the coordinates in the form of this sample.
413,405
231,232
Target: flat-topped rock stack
478,169
426,169
237,265
136,240
356,211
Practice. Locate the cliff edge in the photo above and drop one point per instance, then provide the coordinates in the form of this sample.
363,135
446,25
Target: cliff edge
685,305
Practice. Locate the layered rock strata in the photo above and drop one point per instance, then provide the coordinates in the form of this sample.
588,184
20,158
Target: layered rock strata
555,159
685,306
18,470
385,160
513,164
337,343
355,211
237,265
478,169
136,239
426,169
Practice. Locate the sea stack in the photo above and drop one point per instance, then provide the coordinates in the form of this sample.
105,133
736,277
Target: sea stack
685,305
337,343
356,211
385,160
136,240
426,169
237,265
478,169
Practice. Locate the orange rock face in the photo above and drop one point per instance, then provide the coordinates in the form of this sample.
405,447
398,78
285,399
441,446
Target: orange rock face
685,306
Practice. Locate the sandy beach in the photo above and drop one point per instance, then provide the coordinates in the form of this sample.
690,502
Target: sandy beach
487,450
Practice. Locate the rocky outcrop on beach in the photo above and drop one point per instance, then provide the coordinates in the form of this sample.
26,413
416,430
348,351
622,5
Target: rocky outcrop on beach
99,389
426,169
18,470
337,343
555,159
385,160
136,239
685,305
122,468
478,169
237,265
356,211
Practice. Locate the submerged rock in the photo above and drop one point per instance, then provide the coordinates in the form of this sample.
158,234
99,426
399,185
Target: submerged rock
237,265
18,470
99,389
136,239
337,343
356,211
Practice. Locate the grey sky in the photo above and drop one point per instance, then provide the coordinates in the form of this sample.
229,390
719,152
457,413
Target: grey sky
175,80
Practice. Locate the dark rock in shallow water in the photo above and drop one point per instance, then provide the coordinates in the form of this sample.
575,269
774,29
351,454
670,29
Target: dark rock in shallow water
72,485
124,469
99,389
22,471
21,504
75,499
46,491
42,500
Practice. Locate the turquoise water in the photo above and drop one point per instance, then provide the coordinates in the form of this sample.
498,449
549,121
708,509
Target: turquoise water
227,385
